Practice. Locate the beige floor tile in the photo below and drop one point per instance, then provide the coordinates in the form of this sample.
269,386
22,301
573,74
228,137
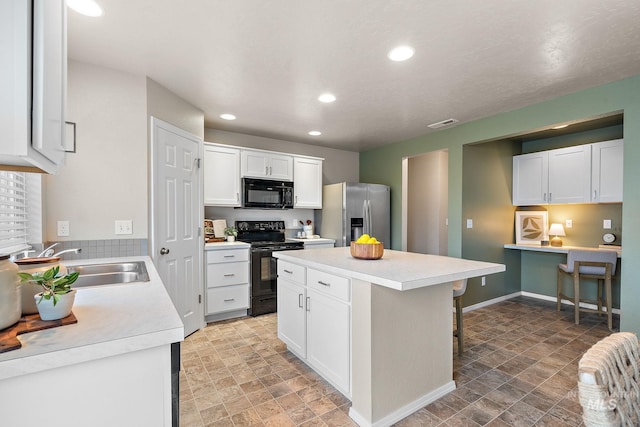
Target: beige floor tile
519,368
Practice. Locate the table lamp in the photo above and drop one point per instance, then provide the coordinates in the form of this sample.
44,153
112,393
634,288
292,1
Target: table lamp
556,230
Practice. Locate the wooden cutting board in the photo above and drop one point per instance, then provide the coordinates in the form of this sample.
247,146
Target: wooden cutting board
29,323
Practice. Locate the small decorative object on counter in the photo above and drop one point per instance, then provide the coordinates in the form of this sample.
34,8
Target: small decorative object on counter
231,232
367,247
10,297
29,289
56,299
308,229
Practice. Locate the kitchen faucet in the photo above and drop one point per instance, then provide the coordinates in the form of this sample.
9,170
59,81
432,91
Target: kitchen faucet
47,252
77,251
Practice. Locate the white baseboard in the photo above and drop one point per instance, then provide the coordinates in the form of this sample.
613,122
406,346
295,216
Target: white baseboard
554,299
490,302
405,410
526,294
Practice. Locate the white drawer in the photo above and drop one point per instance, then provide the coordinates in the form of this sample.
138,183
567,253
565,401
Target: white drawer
232,273
227,255
339,287
292,272
227,298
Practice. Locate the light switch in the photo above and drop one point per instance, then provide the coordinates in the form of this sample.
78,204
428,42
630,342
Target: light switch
606,224
568,223
469,223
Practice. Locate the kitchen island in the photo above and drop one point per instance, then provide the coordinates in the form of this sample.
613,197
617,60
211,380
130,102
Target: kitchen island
378,330
111,368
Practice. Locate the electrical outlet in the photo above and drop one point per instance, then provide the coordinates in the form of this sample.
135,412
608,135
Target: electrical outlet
484,280
63,228
606,224
568,223
124,226
469,223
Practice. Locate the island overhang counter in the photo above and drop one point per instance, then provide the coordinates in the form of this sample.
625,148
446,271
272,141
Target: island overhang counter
400,338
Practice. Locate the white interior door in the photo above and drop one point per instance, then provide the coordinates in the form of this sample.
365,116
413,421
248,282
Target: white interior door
176,215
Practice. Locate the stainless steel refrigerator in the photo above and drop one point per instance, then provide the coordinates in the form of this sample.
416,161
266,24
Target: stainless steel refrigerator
352,209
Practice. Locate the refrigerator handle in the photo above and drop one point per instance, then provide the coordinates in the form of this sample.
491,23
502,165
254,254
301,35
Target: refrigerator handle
365,223
369,219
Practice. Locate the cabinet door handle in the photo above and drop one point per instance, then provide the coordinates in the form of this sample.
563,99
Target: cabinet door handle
308,304
229,300
595,194
288,271
270,170
323,283
237,197
266,170
229,275
549,197
229,256
300,301
544,197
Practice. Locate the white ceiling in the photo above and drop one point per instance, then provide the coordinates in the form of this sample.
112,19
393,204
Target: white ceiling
267,61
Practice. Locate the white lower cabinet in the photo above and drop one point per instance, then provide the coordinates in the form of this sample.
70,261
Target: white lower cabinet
227,298
329,338
227,279
314,320
292,316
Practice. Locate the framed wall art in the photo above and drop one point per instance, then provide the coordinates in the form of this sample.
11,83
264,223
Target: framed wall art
531,227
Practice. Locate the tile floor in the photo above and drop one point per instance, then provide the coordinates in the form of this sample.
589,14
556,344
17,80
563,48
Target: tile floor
519,368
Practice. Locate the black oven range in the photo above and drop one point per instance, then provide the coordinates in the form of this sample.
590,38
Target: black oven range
265,237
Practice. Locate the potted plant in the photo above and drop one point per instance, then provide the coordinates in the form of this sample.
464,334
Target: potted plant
56,299
231,233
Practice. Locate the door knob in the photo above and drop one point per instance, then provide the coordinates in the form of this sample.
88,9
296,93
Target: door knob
164,251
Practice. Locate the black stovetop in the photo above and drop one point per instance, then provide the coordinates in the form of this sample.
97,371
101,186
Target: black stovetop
263,234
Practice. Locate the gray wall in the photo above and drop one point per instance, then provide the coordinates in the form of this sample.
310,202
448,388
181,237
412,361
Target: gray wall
486,185
427,193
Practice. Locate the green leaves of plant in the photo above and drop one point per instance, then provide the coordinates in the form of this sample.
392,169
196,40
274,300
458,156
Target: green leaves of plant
51,282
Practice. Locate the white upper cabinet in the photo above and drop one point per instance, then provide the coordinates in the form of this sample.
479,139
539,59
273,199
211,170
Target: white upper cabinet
570,175
307,183
589,173
221,175
33,46
530,179
607,160
267,165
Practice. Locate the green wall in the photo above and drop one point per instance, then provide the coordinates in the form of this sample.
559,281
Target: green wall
383,165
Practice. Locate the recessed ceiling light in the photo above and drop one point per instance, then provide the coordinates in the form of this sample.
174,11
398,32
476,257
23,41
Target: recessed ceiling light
401,53
327,97
85,7
559,127
315,133
227,116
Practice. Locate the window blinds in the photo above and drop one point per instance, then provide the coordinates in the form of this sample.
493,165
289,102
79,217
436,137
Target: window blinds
13,212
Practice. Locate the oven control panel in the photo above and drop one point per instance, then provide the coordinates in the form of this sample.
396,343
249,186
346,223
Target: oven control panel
260,225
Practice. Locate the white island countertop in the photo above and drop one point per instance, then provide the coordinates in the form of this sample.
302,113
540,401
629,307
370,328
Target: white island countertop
112,320
396,269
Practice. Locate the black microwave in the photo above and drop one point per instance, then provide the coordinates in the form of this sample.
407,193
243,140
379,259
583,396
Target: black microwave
267,194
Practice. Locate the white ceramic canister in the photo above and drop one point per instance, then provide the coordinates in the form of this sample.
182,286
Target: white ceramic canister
33,265
10,297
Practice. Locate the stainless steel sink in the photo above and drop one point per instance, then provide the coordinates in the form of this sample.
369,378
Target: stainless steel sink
109,274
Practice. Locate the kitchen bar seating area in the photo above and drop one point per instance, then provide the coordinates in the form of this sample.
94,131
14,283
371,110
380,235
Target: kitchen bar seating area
519,367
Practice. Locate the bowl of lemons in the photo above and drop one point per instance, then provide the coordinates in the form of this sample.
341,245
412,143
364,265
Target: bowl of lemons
367,247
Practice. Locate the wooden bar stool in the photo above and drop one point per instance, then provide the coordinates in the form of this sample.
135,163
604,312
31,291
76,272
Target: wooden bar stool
459,287
581,264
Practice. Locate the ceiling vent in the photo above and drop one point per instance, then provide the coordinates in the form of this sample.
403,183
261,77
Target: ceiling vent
443,123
